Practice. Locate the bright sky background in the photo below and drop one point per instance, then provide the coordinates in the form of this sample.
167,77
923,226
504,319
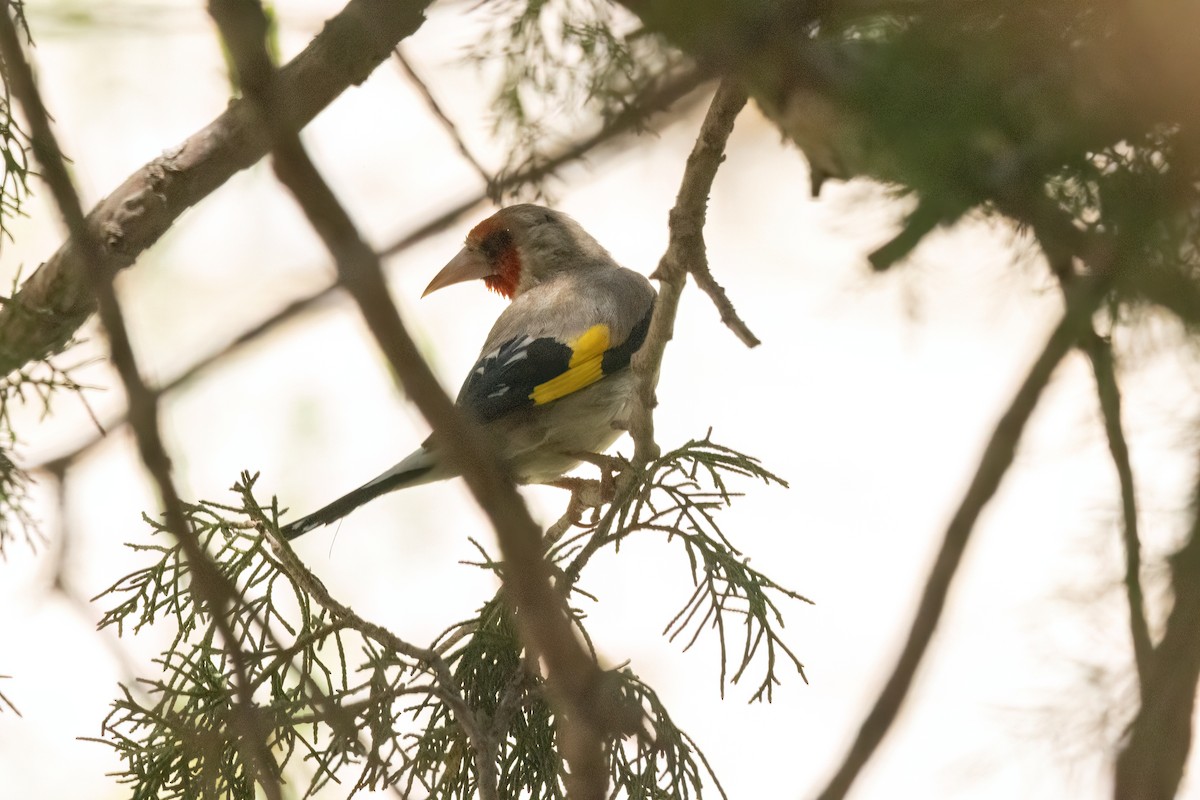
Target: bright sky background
872,395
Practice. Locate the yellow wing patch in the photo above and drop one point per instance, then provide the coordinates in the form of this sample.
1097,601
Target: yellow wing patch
584,369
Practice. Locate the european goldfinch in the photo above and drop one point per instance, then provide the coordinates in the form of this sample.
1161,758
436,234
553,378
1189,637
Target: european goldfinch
552,379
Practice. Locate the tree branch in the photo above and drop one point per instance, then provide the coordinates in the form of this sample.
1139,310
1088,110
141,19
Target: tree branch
574,681
1082,300
1150,765
58,297
1059,240
209,584
435,108
1100,354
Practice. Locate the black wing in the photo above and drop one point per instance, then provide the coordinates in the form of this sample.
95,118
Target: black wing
525,371
503,380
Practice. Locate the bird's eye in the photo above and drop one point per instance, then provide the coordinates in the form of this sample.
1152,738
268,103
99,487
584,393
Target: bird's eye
496,243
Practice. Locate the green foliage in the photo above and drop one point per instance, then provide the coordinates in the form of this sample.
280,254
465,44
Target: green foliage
14,147
997,106
36,384
337,696
564,64
39,381
677,497
1143,193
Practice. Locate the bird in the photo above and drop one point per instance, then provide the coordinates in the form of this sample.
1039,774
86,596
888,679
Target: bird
552,381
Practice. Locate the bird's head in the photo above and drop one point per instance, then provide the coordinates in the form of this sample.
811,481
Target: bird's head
517,248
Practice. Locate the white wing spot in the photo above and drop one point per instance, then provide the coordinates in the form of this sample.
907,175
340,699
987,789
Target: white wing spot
515,358
500,392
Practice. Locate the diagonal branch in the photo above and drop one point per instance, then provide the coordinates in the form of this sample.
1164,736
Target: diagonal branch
210,585
574,681
1059,238
1100,353
1082,299
1151,763
58,297
448,124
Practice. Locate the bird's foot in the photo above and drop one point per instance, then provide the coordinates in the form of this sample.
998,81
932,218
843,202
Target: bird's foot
610,467
585,492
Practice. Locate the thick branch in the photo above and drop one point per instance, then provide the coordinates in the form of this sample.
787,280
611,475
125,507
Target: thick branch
214,590
997,458
1151,764
574,681
58,297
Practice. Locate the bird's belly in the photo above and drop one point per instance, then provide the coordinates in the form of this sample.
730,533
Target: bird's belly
545,442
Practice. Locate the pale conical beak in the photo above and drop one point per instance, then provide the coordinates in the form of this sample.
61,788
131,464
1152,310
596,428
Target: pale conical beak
468,265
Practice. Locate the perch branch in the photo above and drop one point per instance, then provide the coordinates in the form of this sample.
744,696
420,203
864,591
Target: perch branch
685,253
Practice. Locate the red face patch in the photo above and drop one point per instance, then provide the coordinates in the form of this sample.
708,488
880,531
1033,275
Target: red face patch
495,242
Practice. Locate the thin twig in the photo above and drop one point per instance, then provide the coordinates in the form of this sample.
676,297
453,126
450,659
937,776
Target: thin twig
708,284
573,678
997,457
436,109
1151,763
209,584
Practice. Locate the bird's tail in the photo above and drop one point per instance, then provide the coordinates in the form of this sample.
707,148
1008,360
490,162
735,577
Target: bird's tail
420,467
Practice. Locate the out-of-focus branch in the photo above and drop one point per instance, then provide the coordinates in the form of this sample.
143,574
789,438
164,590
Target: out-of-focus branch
209,584
1171,289
435,108
1082,299
1109,393
574,681
1059,238
657,100
58,297
685,253
1150,765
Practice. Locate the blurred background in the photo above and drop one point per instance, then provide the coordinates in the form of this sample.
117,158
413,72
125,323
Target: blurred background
872,395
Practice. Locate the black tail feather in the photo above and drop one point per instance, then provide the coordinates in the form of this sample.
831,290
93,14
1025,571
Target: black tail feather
350,501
